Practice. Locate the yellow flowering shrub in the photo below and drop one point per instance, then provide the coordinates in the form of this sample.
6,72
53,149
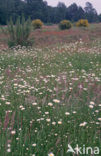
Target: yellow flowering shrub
82,23
37,24
65,24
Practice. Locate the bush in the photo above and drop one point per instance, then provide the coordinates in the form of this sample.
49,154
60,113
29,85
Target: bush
19,33
65,24
37,24
82,23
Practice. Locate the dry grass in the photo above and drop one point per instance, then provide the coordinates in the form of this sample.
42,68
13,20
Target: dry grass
51,35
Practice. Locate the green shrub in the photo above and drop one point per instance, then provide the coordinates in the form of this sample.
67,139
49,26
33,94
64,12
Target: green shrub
82,23
65,24
19,33
37,24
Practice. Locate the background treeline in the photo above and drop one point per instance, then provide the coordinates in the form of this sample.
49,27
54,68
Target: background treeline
39,9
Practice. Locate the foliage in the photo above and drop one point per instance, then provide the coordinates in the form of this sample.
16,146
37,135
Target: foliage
37,24
74,12
91,13
39,9
19,33
100,18
65,25
82,23
11,8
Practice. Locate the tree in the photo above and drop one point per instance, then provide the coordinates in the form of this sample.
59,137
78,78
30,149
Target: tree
10,8
90,13
72,12
81,13
99,18
61,11
36,9
39,9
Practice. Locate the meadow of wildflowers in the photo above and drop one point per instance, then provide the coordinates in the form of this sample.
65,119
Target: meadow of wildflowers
50,98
